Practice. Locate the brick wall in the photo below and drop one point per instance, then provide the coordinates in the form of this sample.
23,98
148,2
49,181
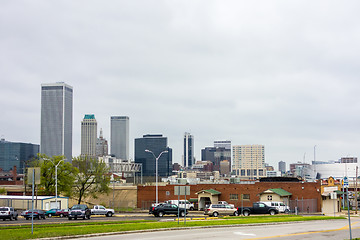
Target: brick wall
298,190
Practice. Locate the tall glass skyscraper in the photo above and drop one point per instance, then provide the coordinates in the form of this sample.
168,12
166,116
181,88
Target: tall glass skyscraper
119,137
56,119
188,150
88,135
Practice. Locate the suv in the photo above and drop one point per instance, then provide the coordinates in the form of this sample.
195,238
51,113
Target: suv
221,209
171,209
79,211
8,212
279,205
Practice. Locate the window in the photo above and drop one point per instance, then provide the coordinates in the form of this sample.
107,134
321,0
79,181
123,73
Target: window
242,172
269,197
246,197
167,193
234,196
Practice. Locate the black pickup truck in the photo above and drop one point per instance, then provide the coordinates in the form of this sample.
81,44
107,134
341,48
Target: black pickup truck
170,209
257,208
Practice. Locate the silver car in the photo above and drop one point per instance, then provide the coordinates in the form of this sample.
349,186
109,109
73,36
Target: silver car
221,209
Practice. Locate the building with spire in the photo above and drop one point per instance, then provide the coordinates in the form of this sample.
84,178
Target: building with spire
88,135
101,145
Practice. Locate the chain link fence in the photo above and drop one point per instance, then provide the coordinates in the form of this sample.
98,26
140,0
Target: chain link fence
303,206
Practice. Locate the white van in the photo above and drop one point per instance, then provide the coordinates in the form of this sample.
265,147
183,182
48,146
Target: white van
279,205
189,205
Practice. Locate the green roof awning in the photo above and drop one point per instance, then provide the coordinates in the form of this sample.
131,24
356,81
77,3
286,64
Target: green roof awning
338,192
211,191
281,192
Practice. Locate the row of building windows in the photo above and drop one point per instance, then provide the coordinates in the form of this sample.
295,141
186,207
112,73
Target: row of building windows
235,197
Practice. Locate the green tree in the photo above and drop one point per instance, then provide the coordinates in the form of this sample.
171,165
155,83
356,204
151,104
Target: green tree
91,179
65,175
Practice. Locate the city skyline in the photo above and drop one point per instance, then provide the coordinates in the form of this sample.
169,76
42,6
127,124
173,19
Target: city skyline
280,74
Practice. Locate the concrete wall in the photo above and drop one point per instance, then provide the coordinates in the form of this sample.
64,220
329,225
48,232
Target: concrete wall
124,197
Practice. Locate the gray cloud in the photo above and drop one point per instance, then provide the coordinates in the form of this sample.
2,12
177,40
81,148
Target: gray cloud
283,74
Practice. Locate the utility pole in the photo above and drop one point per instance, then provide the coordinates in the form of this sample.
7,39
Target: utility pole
356,195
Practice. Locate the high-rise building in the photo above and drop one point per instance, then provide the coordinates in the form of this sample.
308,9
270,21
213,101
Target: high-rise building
101,146
16,154
88,135
188,150
56,120
155,143
249,161
223,143
282,167
119,137
216,155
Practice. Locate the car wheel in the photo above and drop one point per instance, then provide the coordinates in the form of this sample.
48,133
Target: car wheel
75,218
49,215
27,218
11,218
287,211
246,213
84,217
61,215
182,214
16,218
215,214
70,218
89,216
272,212
236,213
4,219
161,214
191,209
109,214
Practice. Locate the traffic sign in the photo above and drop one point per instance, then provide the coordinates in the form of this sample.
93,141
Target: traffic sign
346,182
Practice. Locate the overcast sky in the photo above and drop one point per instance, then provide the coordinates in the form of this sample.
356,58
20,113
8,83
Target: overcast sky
284,74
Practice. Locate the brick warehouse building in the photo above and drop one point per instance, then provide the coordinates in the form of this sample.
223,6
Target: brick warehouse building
237,194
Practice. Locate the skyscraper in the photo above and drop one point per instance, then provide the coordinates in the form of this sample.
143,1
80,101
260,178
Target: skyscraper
223,143
56,119
101,145
88,135
119,137
188,150
155,143
249,161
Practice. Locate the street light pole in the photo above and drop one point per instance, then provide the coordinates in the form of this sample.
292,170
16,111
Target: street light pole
56,166
156,169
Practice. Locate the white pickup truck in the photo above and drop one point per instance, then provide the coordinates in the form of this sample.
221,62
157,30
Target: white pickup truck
101,210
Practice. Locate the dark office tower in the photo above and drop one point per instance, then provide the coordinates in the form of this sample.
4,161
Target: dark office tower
216,155
282,167
155,143
189,159
119,137
56,120
16,154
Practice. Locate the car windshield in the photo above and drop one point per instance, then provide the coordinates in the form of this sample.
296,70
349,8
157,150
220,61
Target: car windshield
4,209
78,207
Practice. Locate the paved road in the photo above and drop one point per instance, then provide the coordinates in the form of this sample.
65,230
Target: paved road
320,230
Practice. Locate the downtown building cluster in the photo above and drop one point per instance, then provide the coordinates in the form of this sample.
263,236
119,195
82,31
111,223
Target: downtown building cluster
222,160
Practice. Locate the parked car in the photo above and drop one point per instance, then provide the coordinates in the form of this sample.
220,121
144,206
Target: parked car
101,210
36,214
279,205
154,205
220,209
8,213
168,209
257,208
181,204
225,202
63,213
52,212
79,211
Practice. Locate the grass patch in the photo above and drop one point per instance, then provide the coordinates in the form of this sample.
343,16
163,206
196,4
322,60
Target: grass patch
70,229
